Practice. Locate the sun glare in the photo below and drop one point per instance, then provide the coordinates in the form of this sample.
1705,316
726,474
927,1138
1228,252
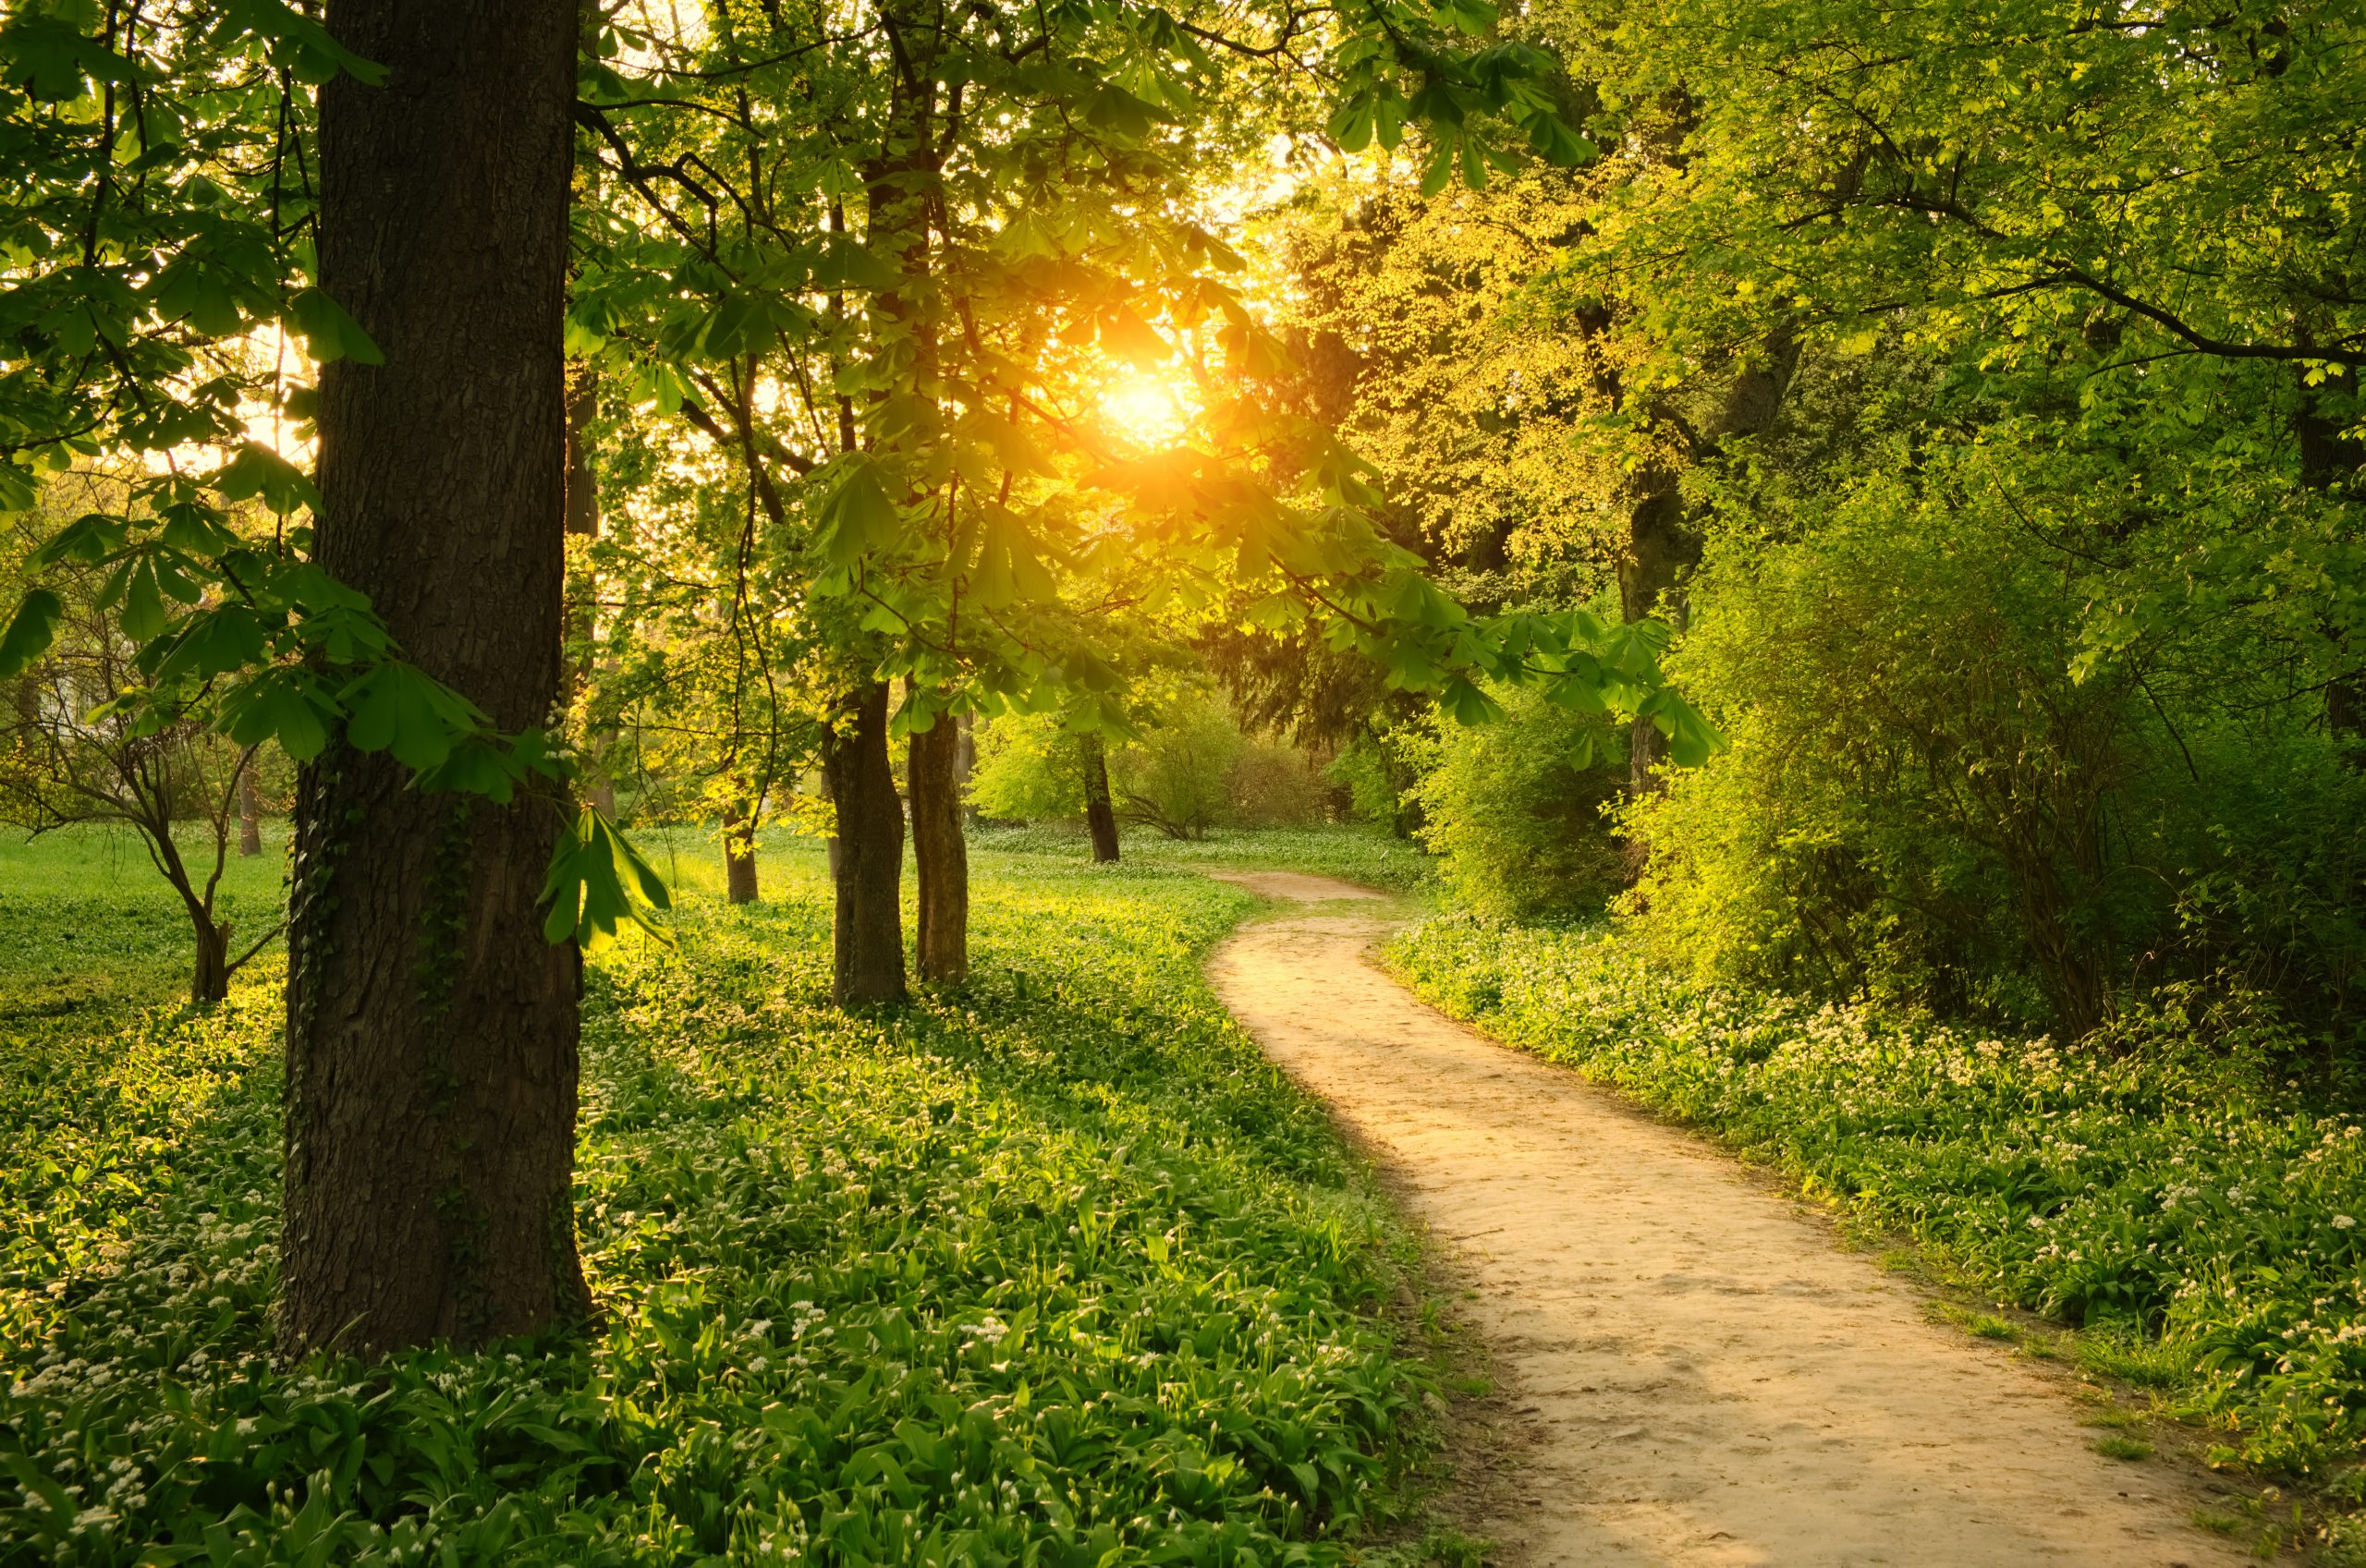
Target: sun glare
1148,411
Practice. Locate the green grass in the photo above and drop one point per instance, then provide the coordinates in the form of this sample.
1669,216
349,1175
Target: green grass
1054,1269
2185,1206
91,930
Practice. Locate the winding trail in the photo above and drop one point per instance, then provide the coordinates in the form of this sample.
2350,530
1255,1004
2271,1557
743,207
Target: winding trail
1702,1377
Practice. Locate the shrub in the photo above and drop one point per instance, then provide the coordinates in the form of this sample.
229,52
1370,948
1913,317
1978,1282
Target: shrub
1515,809
1930,797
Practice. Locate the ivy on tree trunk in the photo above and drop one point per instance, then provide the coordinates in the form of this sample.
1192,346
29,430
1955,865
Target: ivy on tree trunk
432,1030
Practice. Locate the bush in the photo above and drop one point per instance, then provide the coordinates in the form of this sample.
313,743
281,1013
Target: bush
1930,798
1188,772
1029,767
1514,809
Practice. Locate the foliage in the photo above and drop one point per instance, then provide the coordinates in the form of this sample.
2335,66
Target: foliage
1178,775
1029,769
1189,770
1927,798
2180,1186
1056,1267
73,751
1517,810
1352,854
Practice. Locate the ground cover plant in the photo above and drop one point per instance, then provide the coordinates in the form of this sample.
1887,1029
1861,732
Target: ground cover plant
2189,1204
1052,1269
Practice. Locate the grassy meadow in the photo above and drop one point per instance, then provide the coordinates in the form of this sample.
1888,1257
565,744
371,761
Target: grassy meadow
1052,1269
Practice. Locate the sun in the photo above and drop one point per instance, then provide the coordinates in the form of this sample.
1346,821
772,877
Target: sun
1149,411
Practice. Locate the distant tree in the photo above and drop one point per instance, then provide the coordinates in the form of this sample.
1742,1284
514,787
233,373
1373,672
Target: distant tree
69,755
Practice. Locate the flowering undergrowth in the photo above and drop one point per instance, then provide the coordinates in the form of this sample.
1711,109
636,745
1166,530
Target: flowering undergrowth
2185,1203
1052,1270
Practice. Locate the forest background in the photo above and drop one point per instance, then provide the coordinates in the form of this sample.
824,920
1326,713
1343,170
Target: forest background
1864,504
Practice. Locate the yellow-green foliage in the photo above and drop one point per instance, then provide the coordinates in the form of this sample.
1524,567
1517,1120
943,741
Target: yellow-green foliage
1514,808
1056,1269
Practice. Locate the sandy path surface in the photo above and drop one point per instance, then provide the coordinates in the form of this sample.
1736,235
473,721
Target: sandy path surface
1705,1377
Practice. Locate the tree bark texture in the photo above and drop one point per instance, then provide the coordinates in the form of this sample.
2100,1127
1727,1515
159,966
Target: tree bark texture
868,930
940,854
738,854
1100,814
432,1032
250,811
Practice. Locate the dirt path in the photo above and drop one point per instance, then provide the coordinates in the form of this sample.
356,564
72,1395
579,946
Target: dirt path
1706,1378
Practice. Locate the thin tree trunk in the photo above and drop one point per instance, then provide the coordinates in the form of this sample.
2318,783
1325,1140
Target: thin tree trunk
250,811
210,980
738,854
965,763
941,856
432,1032
1100,816
868,932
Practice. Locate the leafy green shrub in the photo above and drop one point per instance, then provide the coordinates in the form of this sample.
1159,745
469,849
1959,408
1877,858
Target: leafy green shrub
1931,797
1060,1269
1514,809
1027,769
1188,772
2176,1186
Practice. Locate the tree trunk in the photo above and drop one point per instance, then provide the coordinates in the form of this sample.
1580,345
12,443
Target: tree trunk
250,811
1100,816
738,854
869,868
432,1032
965,763
942,856
210,980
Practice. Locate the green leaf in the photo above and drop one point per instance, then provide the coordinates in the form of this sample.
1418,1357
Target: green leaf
858,517
1439,173
290,705
331,334
87,541
30,631
597,881
258,470
399,707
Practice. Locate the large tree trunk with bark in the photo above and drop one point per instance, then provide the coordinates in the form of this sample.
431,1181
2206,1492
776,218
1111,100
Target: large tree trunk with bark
869,866
432,1032
738,854
1100,813
939,855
